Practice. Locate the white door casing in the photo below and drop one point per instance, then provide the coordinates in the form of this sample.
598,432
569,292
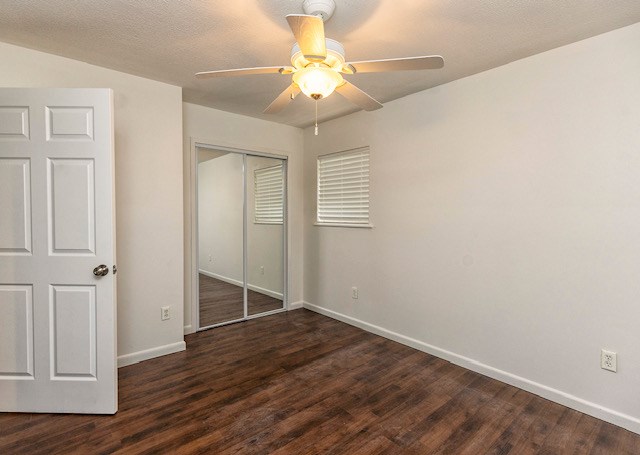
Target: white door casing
57,223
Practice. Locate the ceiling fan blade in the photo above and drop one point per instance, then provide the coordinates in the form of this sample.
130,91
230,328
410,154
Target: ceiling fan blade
358,97
309,33
428,62
245,71
283,99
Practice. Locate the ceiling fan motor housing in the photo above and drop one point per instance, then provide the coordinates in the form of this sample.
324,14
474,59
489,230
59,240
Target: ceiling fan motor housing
322,8
335,55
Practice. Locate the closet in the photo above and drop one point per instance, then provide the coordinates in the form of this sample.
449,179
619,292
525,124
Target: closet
241,232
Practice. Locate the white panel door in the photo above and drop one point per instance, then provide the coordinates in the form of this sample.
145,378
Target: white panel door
57,317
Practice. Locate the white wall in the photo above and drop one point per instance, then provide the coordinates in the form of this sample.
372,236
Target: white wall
220,128
507,220
148,128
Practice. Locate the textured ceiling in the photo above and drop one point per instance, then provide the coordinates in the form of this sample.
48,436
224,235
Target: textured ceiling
171,40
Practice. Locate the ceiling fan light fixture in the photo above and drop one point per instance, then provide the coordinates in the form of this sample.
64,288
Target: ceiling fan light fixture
317,82
318,62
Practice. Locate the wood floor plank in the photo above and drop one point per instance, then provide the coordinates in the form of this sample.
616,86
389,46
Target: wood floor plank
300,383
483,428
544,423
514,432
584,437
433,432
564,432
614,440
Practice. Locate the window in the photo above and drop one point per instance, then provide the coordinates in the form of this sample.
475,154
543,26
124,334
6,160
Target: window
343,188
269,195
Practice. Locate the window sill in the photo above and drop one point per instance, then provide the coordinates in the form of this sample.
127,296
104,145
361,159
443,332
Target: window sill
366,226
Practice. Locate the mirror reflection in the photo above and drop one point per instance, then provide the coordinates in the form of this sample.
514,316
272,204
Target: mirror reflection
265,234
241,216
220,225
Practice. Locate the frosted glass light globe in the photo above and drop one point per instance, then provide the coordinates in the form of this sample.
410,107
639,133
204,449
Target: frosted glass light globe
317,82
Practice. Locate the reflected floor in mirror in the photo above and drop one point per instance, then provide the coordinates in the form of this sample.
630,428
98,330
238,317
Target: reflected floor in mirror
221,301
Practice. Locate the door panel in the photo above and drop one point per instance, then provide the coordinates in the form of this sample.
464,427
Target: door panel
15,200
16,332
69,123
71,211
14,123
57,319
73,335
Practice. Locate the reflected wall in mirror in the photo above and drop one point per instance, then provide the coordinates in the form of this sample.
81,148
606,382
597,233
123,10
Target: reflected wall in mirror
220,236
265,234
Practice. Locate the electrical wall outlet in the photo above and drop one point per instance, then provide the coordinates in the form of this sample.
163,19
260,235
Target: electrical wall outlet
210,258
165,313
354,292
608,360
262,270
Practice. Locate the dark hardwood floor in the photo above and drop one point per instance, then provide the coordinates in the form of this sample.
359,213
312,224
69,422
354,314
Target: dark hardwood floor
301,383
221,301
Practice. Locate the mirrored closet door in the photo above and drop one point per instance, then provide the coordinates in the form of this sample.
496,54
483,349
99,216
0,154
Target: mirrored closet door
241,231
265,234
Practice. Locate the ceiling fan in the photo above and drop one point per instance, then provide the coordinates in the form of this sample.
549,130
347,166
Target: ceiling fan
318,63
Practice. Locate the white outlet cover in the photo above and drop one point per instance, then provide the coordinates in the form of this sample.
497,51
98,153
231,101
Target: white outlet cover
608,360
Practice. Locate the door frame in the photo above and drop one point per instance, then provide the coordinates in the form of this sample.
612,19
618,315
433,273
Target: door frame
196,143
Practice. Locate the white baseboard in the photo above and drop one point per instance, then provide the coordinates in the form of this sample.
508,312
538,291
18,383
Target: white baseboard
296,305
608,415
188,329
220,277
135,357
275,295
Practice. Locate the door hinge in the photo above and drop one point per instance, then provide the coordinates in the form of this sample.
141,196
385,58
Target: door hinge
115,269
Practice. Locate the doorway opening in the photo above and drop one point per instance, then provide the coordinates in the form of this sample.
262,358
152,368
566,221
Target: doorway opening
240,264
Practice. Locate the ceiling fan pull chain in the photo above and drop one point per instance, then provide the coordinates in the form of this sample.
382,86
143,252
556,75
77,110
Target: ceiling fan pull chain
316,117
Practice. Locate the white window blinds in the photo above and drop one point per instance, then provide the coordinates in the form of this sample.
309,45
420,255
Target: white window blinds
343,187
269,195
